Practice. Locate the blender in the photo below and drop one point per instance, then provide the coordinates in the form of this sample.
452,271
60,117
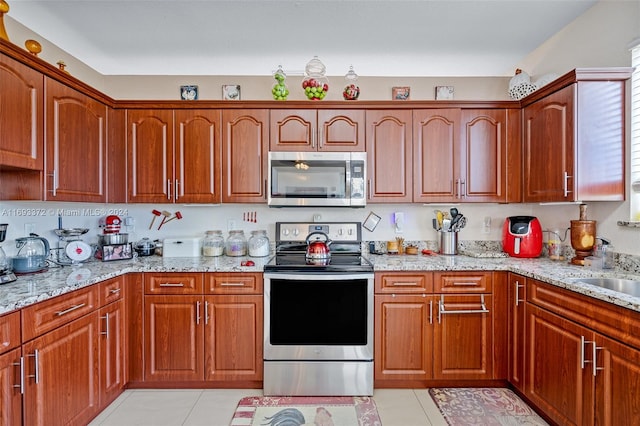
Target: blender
6,276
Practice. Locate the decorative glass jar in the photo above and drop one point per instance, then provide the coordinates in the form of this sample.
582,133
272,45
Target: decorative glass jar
236,244
259,244
351,90
213,244
315,84
279,90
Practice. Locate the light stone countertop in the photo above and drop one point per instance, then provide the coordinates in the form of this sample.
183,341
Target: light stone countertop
29,289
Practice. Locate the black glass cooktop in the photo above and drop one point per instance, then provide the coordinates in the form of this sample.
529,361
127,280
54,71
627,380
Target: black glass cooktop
338,263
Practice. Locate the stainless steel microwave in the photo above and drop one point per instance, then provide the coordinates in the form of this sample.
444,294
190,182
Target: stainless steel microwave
317,179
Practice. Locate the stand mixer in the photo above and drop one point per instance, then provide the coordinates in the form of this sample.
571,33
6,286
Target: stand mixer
6,276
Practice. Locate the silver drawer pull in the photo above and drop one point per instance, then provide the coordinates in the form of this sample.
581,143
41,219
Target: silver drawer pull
36,361
21,385
231,284
441,308
464,284
106,322
114,291
171,284
400,283
71,309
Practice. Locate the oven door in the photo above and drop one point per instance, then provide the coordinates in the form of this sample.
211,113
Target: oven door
315,317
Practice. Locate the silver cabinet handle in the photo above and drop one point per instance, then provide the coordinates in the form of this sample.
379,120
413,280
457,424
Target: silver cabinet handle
313,138
168,189
566,184
231,284
405,284
176,193
71,309
21,385
171,284
457,190
320,137
206,312
106,328
430,311
197,312
595,362
518,287
54,182
583,360
114,291
36,373
442,311
463,188
369,189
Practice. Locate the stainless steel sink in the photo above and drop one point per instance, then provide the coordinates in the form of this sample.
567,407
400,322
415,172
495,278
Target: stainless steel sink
630,287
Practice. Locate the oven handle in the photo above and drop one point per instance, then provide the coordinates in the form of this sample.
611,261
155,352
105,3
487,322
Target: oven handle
441,309
338,276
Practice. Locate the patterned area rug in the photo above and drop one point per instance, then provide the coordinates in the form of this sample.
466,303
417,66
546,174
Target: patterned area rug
483,406
306,410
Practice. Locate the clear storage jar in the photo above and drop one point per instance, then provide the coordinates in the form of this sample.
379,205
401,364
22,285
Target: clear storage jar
236,244
259,244
213,244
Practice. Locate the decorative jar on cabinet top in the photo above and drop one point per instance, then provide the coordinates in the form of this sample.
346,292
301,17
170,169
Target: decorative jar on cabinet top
315,84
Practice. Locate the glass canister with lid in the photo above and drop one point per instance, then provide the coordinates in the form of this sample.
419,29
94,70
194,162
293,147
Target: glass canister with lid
236,243
259,243
213,244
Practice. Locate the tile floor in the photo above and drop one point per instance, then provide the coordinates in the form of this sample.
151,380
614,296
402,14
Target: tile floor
214,407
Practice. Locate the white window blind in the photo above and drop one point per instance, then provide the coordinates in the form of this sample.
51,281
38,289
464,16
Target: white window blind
635,132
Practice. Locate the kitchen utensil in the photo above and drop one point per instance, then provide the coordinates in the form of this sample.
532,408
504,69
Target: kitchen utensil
6,276
583,238
522,236
112,239
439,218
318,249
78,251
166,215
110,224
448,242
145,247
177,215
156,213
32,254
460,223
454,212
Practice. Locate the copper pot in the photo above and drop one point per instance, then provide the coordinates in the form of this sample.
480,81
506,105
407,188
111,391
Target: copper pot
318,249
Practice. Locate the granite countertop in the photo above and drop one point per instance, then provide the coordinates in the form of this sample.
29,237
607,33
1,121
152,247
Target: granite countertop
29,289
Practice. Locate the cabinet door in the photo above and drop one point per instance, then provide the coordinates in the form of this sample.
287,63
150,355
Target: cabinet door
75,144
21,123
61,369
173,338
437,155
244,154
150,156
403,343
112,347
233,337
198,171
483,155
548,148
463,337
516,329
617,383
341,130
293,130
389,142
10,396
558,376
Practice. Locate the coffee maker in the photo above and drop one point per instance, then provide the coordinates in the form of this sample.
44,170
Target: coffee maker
6,276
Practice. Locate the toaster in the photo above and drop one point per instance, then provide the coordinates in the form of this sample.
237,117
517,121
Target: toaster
522,236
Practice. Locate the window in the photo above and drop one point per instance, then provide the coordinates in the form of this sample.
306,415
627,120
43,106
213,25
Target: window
635,131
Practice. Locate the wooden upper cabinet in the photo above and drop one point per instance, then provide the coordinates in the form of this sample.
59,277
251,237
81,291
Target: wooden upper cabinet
245,143
574,138
21,123
437,155
389,143
150,156
198,164
76,138
317,130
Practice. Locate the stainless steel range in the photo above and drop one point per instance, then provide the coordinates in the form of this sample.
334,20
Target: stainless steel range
318,316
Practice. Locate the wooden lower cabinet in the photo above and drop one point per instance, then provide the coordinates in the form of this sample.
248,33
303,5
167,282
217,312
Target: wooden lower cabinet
516,329
61,374
404,337
112,350
463,331
10,396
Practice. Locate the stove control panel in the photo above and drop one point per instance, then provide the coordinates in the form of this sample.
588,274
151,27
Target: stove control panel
336,231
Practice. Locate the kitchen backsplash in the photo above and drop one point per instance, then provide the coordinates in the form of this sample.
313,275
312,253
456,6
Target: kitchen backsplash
42,218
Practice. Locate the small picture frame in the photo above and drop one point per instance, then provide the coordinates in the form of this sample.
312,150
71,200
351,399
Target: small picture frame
444,93
400,93
371,222
189,92
231,92
116,252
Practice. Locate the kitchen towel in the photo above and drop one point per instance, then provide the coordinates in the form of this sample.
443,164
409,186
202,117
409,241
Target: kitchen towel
310,410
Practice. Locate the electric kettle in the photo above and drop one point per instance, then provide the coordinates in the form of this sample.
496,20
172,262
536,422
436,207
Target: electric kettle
32,254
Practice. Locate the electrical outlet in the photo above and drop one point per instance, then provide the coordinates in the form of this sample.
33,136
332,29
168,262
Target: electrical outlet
486,225
231,225
398,219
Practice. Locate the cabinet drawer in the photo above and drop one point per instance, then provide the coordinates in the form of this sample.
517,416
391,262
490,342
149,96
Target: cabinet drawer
50,314
401,282
173,283
462,282
9,331
233,283
111,290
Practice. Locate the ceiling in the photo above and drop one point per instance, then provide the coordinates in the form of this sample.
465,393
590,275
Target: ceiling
253,37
